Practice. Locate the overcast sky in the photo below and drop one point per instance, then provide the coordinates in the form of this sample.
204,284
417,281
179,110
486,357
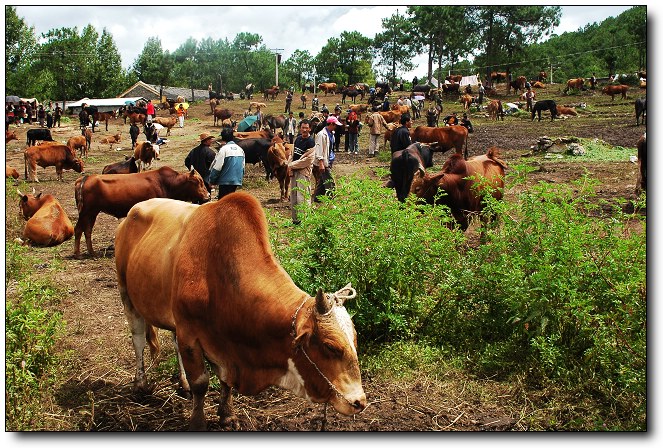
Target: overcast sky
288,28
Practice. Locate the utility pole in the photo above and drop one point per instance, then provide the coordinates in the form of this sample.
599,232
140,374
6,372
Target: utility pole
278,59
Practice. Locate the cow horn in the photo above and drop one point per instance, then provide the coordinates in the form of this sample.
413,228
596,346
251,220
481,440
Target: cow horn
322,303
19,192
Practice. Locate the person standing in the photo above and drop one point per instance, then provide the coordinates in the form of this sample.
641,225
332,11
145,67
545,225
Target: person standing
41,115
322,162
482,91
49,115
401,138
290,127
353,132
57,115
592,81
529,97
180,115
300,167
199,158
228,166
150,111
288,101
28,112
134,132
377,125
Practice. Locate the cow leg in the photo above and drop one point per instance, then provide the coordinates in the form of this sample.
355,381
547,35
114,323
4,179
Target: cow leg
198,376
106,125
225,411
185,389
138,330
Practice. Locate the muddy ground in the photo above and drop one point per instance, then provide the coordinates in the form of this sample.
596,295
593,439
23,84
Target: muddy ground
97,396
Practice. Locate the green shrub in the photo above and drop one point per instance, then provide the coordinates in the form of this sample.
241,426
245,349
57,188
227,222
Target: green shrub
31,330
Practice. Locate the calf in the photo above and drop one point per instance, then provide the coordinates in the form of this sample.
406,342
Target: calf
577,83
144,153
38,134
640,111
544,105
80,142
464,182
9,136
404,164
127,167
57,155
115,194
47,223
10,172
563,110
495,110
112,139
277,156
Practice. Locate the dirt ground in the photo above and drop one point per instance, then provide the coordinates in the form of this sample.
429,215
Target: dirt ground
97,397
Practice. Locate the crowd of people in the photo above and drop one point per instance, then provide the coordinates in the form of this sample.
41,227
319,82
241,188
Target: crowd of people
32,113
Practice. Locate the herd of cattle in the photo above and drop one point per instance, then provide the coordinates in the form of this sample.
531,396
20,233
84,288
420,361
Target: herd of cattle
312,350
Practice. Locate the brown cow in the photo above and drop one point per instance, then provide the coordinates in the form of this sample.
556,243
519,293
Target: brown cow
115,194
112,139
563,110
221,114
467,100
277,156
257,105
495,110
265,133
516,85
302,343
454,78
135,117
47,222
576,83
454,87
81,143
10,172
213,103
327,87
360,109
57,155
498,76
465,183
391,116
614,90
144,153
271,93
127,167
401,109
538,85
9,136
167,123
442,139
104,116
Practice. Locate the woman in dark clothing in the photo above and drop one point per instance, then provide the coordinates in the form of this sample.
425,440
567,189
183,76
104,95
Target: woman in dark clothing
401,138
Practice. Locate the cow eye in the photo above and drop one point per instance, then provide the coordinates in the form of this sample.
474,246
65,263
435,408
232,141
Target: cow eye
333,350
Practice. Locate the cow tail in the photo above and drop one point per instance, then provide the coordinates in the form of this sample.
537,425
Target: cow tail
153,341
78,194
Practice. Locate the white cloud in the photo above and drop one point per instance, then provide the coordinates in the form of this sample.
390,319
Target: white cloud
287,27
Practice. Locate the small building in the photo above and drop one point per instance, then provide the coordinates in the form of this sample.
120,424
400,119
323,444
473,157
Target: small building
151,92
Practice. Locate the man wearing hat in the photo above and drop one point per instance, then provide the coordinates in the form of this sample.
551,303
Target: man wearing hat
201,158
324,157
228,167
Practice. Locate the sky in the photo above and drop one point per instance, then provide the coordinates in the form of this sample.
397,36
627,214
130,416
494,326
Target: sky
286,28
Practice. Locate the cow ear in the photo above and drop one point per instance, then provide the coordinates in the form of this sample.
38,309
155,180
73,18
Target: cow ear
303,330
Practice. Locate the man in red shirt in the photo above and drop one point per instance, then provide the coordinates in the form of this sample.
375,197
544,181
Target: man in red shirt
150,111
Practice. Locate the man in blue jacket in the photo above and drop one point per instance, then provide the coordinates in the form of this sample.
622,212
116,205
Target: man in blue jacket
228,167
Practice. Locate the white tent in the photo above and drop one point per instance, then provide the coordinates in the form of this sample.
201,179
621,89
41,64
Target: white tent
104,104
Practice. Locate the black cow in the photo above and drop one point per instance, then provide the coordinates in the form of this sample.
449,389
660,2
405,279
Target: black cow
545,105
352,92
38,134
422,88
127,167
273,122
134,132
640,110
255,151
405,163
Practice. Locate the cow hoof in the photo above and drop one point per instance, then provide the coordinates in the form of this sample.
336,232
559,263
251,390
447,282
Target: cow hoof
182,392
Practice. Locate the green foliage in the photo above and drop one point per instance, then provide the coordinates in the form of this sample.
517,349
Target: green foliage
556,291
31,330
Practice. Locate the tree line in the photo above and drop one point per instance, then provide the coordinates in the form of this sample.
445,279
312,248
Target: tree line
70,64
